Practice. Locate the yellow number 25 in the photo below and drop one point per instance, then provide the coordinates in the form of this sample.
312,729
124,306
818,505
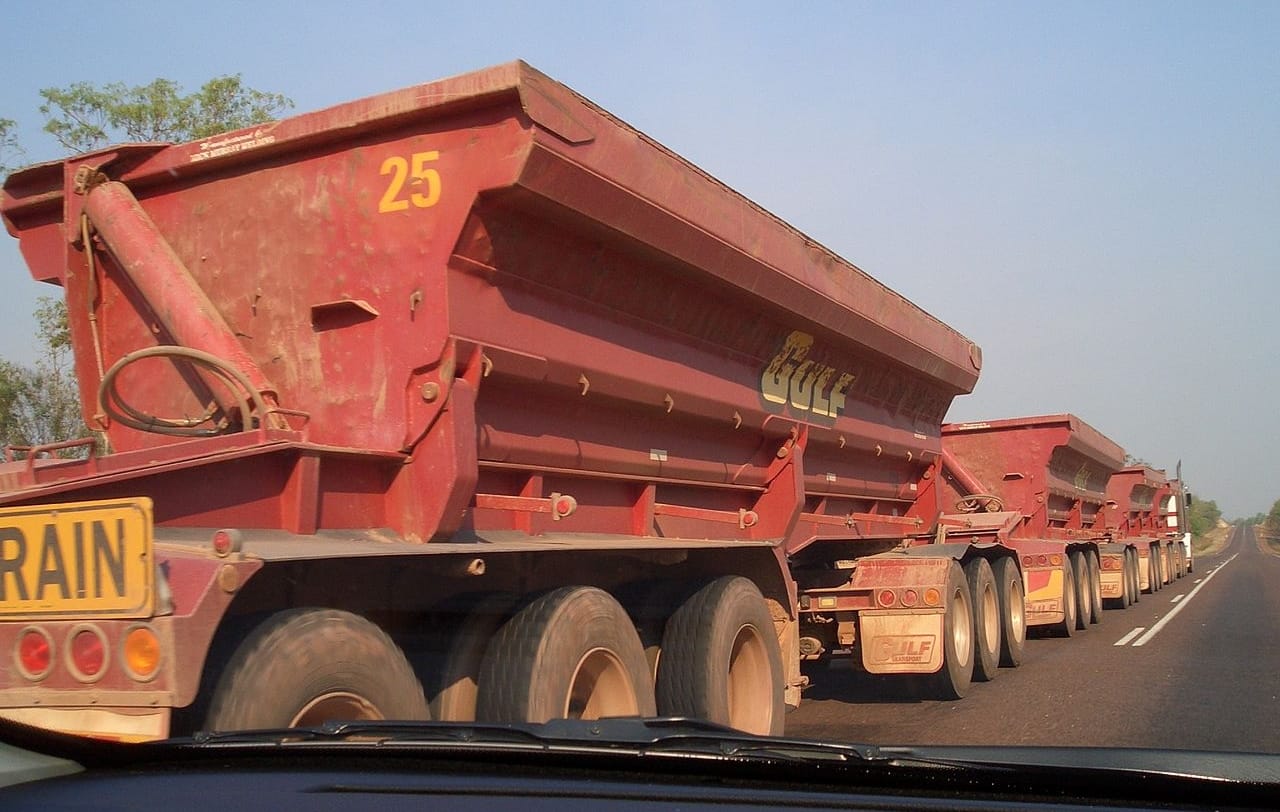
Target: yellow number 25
425,183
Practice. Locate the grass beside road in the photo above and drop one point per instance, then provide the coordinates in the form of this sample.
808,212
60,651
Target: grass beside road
1210,542
1268,542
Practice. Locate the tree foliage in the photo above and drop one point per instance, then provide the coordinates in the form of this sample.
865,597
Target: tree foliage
41,404
10,152
1203,516
84,116
1271,521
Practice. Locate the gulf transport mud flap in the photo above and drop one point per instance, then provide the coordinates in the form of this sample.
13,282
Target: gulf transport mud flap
902,642
1044,596
1113,584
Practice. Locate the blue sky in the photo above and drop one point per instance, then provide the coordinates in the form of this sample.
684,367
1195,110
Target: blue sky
1091,191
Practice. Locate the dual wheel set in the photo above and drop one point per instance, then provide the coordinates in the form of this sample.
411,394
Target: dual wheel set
984,627
573,652
1165,566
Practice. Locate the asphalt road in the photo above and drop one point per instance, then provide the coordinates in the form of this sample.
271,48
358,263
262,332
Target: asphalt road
1203,673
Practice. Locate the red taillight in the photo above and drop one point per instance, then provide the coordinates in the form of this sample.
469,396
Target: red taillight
226,542
562,505
1042,560
1111,563
1028,560
910,597
885,597
88,653
35,654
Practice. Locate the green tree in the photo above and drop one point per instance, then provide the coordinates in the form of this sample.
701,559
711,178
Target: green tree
10,152
1203,516
41,404
84,116
1272,520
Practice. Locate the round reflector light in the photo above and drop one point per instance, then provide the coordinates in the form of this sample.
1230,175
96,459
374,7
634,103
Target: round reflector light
1042,560
87,653
34,654
910,597
932,597
885,597
1055,559
564,505
141,653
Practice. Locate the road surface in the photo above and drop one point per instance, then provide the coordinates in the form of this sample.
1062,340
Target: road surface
1194,666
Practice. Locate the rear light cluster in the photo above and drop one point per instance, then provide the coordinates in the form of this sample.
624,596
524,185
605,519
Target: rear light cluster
87,653
1112,562
1042,560
908,597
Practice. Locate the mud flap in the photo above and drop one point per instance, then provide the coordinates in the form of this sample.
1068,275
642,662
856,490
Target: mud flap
1044,596
901,643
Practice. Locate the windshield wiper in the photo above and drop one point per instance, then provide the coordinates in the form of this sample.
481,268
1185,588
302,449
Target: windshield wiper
671,736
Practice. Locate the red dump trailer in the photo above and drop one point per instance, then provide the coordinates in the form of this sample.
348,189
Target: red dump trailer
1039,485
479,384
1145,507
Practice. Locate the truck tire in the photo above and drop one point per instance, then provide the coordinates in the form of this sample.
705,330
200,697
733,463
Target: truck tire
1095,586
953,679
986,619
571,653
304,667
1067,626
454,685
1153,564
1125,582
721,660
1013,611
1084,593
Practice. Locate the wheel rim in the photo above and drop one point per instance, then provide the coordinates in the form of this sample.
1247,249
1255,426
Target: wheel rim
1069,602
335,706
962,629
1083,594
991,619
600,687
1017,620
1095,586
750,683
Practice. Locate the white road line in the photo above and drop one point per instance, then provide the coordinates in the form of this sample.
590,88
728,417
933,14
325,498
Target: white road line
1176,598
1142,641
1124,641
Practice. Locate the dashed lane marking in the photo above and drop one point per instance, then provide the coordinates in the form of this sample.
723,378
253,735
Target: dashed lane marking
1124,641
1176,598
1154,630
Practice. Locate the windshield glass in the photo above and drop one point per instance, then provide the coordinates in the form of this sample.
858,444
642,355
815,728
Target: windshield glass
859,375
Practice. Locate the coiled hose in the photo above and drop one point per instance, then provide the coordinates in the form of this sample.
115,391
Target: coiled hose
114,406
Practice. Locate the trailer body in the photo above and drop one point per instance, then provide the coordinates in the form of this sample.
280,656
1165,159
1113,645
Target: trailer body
1145,506
475,342
1038,484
